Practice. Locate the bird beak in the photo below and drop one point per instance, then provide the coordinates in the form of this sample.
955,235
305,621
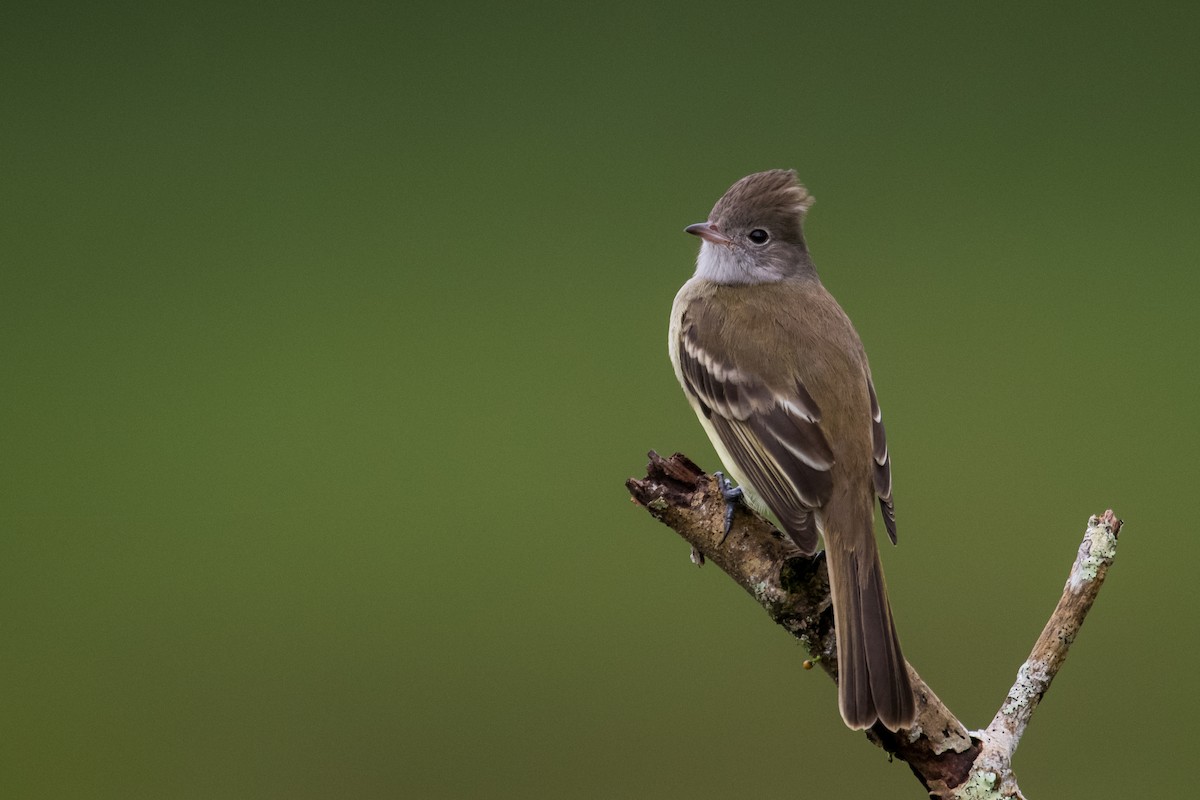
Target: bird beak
709,233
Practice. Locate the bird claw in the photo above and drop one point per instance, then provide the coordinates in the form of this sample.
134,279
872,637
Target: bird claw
733,495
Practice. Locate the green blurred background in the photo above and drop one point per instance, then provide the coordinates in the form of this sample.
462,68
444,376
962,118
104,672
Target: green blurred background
329,334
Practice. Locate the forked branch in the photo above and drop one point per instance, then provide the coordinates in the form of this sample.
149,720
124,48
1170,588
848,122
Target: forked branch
794,591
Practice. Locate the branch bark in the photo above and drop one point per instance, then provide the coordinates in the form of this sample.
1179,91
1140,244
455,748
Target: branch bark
949,761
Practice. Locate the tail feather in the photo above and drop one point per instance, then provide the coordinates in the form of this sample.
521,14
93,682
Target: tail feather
873,682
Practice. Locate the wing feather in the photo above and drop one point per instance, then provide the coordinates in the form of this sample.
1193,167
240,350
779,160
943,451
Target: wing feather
883,466
775,437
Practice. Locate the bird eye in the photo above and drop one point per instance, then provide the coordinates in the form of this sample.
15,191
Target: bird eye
759,236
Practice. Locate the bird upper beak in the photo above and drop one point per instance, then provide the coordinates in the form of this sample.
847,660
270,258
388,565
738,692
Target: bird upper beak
709,233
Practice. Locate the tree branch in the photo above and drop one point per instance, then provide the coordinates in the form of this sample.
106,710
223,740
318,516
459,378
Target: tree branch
794,591
1091,565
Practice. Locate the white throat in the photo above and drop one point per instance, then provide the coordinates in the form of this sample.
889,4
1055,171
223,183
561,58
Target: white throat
720,264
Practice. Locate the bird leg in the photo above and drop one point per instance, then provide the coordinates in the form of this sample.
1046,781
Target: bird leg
733,496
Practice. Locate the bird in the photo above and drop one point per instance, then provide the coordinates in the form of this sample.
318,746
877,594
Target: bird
779,379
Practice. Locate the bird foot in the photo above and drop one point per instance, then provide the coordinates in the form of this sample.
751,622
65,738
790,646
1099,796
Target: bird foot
733,496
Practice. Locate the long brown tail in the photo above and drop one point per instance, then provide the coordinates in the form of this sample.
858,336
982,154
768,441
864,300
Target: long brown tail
872,677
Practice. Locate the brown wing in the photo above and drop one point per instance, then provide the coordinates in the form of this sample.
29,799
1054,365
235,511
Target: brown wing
883,466
774,436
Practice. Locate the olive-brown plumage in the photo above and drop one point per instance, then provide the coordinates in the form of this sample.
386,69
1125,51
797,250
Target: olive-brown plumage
779,379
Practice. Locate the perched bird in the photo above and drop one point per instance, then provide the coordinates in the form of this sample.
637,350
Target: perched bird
779,379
